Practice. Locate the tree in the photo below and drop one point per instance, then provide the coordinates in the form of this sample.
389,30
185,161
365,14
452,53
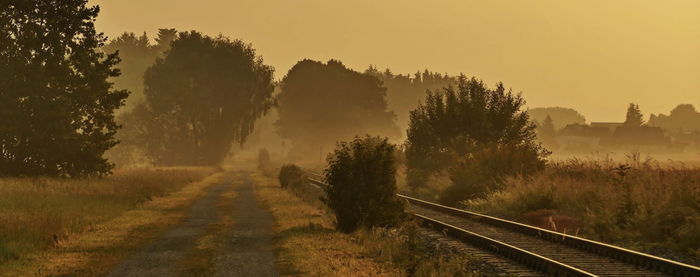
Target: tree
56,103
405,91
684,117
561,116
471,127
202,97
361,187
320,104
137,53
547,134
634,116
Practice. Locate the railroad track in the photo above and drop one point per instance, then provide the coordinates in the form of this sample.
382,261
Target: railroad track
549,252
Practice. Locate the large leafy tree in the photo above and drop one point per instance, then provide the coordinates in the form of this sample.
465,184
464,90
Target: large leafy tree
202,97
322,103
56,103
476,133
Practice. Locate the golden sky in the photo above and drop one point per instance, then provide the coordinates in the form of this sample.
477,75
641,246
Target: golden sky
595,56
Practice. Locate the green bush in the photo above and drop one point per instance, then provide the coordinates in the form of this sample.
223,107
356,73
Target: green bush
475,133
291,176
481,172
362,184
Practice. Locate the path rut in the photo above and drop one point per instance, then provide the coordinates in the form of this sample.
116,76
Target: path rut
247,248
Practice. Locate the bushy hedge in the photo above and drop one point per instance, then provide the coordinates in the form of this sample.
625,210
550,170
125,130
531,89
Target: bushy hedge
291,176
362,184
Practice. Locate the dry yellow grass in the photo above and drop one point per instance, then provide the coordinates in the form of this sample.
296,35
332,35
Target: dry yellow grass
91,223
307,242
643,205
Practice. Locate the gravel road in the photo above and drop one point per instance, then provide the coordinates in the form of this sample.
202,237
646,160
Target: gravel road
247,250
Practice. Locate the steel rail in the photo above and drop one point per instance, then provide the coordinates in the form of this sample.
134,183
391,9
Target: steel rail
538,262
534,260
625,255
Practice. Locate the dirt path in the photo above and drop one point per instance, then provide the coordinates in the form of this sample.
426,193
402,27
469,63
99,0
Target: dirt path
246,249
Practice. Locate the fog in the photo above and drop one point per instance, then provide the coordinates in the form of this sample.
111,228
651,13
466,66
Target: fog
593,56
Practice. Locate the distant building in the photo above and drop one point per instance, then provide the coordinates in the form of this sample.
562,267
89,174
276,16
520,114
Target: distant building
578,143
611,126
581,137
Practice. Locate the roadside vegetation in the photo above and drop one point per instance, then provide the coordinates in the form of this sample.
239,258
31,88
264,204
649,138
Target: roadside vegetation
39,214
361,191
291,176
307,242
309,245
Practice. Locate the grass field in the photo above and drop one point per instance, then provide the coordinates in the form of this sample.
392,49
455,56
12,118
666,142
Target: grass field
640,204
41,215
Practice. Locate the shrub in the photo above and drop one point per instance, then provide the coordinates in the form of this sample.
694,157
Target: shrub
482,171
291,176
471,130
362,184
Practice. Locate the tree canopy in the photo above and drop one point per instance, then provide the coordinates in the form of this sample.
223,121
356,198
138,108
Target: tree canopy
547,134
404,92
203,96
56,103
634,116
684,117
561,117
471,127
137,53
322,103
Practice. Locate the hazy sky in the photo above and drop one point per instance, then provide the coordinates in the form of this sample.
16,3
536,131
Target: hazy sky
594,56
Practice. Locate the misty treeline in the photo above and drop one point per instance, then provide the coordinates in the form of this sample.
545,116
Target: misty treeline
194,96
320,103
565,130
137,53
317,104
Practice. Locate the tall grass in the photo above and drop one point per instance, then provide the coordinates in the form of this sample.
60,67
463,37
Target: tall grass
639,204
38,213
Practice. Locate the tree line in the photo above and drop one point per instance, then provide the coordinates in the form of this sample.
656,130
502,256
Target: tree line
678,131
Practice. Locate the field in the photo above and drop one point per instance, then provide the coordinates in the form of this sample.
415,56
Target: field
640,204
40,214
